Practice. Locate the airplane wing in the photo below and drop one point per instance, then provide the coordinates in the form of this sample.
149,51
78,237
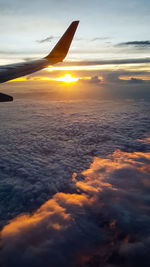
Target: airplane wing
58,53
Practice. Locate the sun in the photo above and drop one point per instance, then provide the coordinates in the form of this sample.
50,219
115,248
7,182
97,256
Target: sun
67,78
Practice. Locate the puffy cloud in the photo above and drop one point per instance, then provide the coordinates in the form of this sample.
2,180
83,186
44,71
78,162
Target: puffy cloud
43,142
105,220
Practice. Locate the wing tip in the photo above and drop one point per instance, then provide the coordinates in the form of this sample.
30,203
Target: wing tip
60,50
76,21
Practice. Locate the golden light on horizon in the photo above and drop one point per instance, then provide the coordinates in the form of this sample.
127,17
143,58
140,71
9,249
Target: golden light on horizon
128,78
80,68
67,79
111,67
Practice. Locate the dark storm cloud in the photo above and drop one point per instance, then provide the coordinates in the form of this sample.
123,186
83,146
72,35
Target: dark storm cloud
108,212
139,44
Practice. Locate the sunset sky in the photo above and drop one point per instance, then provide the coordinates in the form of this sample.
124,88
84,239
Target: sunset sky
108,28
75,140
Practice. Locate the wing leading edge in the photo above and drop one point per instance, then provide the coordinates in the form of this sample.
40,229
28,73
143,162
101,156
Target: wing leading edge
57,54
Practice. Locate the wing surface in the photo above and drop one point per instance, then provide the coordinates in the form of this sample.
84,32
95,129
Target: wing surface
58,53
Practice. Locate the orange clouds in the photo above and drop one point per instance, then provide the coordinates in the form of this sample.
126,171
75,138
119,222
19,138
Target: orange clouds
145,140
96,180
45,213
65,225
97,176
67,78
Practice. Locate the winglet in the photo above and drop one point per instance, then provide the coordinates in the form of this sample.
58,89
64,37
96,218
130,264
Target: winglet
60,51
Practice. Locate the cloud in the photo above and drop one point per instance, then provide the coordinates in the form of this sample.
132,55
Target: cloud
100,39
105,220
136,80
95,80
97,84
145,140
57,138
105,62
46,40
139,44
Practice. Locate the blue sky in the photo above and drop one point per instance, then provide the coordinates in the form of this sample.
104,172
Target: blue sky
108,22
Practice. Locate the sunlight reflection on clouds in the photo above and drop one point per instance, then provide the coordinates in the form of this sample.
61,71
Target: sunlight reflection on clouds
110,199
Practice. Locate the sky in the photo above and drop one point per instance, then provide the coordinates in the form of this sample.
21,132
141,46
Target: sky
105,30
108,31
75,141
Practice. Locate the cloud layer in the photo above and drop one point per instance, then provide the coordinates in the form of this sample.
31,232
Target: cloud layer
43,142
67,215
105,220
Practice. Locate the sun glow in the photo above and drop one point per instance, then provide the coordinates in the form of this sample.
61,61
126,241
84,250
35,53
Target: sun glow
67,79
